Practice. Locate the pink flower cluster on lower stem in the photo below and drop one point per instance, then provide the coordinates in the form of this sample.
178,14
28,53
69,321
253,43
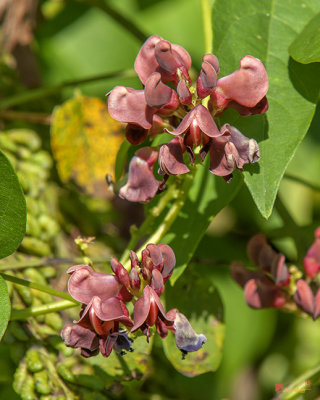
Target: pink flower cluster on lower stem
104,318
272,283
186,110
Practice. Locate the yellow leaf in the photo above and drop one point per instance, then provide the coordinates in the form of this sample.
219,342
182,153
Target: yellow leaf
85,141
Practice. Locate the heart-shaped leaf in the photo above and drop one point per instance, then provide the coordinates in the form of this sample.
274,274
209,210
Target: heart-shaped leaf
306,46
265,30
12,209
4,307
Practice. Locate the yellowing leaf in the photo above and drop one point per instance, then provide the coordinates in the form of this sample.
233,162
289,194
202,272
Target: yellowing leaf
85,141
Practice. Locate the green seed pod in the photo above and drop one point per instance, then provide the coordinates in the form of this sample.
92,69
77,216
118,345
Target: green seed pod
24,293
25,137
54,321
35,246
33,361
23,153
45,330
43,159
49,227
41,382
33,171
66,374
18,332
33,227
7,144
42,296
32,206
19,377
48,272
24,181
27,392
34,275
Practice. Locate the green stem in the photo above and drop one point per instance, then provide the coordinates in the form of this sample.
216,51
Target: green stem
207,25
36,94
302,182
37,286
146,225
170,216
122,20
39,310
300,384
7,266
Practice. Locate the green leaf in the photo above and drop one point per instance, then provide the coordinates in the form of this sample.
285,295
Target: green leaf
208,195
5,307
306,46
199,300
12,209
130,366
265,30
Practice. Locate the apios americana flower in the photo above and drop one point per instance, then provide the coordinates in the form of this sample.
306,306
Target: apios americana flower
182,110
105,322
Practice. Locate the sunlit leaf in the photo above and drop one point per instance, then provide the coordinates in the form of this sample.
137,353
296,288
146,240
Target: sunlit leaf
4,307
85,141
306,46
12,209
265,30
199,300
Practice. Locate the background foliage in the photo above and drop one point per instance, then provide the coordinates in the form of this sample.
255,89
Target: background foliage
77,51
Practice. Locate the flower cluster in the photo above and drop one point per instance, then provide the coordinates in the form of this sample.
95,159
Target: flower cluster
273,284
171,102
104,318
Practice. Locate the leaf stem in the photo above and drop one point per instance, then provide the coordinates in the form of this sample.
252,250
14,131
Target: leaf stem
170,217
37,286
301,384
207,25
122,20
146,225
43,309
7,266
302,182
36,94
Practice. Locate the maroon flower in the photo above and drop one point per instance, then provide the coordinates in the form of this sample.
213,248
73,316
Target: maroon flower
103,310
149,311
312,258
171,157
84,284
158,55
306,300
141,185
262,287
245,88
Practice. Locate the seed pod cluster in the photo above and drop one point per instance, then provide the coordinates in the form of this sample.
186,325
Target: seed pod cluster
45,368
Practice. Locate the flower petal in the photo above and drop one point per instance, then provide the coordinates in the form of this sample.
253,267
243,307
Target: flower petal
84,284
247,85
171,158
158,94
129,105
187,340
146,62
312,258
304,297
142,186
76,336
